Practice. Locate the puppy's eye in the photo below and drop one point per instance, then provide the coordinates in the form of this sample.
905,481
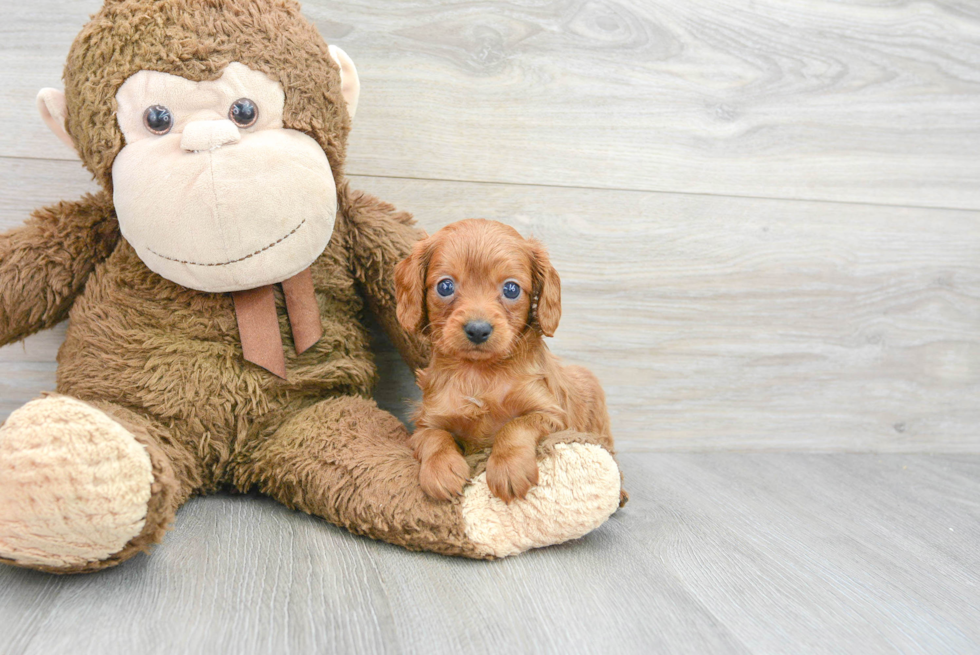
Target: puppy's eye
243,113
445,287
511,290
158,119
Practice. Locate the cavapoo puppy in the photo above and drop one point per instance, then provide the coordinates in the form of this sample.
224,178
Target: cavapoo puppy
486,297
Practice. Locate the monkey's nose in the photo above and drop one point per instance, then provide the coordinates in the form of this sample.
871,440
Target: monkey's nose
208,135
478,331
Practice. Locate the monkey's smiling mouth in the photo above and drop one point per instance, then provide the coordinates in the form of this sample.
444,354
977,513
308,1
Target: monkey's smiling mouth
232,261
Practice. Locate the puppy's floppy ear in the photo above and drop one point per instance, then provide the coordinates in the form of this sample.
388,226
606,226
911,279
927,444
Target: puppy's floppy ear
547,290
410,286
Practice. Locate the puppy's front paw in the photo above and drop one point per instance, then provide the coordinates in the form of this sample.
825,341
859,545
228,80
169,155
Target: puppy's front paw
512,475
443,474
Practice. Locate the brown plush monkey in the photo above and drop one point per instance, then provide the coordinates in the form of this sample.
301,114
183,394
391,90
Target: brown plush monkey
217,131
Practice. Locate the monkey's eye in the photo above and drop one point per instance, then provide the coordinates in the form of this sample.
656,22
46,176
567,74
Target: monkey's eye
511,290
158,119
445,287
243,113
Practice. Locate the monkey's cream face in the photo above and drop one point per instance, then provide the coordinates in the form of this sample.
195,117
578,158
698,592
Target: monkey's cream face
211,190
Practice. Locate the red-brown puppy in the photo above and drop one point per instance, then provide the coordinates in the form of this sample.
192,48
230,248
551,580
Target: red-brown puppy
486,297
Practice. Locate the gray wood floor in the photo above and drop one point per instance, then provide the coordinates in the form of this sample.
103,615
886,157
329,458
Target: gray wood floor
716,553
767,221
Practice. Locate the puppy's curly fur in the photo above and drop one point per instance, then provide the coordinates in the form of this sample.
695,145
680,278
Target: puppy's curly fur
504,388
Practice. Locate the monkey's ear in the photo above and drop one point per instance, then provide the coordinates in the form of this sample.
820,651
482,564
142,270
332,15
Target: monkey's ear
350,85
547,290
410,287
54,110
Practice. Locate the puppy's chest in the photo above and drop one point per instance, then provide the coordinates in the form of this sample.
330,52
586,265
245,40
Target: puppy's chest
471,412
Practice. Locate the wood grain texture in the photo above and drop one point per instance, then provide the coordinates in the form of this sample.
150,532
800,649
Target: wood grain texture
716,553
870,101
713,322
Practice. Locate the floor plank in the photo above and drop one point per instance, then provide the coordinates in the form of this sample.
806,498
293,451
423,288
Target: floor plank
828,554
868,101
720,553
714,323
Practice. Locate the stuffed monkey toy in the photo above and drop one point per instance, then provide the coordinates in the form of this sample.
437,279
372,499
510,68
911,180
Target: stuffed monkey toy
214,288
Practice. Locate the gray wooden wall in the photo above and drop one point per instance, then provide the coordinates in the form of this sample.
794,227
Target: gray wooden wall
766,215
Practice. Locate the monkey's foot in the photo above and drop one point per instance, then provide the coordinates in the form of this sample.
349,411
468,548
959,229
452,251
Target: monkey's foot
578,489
74,485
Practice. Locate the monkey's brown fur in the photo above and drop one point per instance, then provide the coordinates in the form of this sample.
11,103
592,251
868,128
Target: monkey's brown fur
166,361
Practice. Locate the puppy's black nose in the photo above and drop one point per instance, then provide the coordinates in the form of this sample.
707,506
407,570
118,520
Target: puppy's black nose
477,331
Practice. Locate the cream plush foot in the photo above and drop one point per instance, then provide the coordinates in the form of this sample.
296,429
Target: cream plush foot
74,485
578,489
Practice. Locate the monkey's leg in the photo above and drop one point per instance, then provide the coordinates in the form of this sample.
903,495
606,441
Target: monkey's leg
84,486
349,462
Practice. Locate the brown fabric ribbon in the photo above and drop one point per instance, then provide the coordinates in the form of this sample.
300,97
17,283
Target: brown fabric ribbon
258,322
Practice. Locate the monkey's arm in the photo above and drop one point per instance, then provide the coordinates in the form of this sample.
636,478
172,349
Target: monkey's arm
44,264
380,236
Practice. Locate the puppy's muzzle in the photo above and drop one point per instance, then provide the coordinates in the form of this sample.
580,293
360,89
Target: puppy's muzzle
478,331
